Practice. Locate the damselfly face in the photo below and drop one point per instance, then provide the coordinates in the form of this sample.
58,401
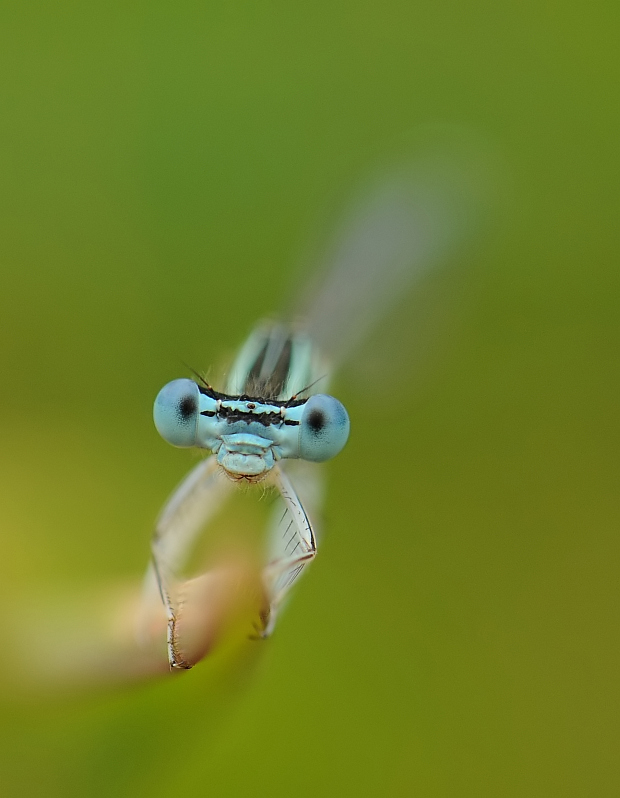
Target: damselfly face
249,433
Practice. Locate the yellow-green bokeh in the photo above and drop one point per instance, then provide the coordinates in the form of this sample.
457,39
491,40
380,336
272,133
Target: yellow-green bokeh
161,167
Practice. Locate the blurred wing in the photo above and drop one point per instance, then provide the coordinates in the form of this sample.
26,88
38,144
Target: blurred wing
405,222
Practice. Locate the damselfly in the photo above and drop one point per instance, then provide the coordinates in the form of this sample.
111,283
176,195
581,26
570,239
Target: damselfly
261,420
269,413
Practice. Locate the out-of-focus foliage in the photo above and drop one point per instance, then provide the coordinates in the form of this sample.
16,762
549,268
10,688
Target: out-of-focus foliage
162,167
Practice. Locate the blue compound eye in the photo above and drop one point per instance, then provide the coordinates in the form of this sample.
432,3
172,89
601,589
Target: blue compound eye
176,412
324,428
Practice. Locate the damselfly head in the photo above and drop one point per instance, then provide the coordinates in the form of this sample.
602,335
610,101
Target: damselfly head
249,435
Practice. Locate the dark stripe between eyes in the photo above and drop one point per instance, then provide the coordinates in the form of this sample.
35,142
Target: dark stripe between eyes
266,419
223,397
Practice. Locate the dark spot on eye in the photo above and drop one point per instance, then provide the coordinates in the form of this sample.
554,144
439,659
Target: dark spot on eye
187,407
316,420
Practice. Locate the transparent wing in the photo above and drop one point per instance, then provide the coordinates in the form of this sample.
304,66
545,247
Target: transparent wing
405,221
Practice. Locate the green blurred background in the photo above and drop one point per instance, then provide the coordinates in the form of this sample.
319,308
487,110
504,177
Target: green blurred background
458,634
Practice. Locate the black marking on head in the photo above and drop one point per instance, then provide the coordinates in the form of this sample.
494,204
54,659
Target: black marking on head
316,420
187,407
224,397
207,390
232,414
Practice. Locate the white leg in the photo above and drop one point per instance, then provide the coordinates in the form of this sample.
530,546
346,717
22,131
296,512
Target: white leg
187,511
293,546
